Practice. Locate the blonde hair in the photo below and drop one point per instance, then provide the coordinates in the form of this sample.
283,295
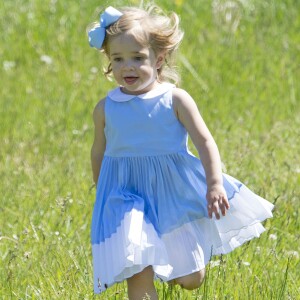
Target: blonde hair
151,28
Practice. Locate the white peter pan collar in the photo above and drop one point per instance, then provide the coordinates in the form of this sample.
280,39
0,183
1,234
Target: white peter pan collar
118,96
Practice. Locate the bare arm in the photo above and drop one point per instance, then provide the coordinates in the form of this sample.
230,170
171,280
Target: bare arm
99,143
188,114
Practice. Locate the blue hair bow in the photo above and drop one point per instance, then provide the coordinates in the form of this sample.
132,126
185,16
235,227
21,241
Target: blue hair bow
97,34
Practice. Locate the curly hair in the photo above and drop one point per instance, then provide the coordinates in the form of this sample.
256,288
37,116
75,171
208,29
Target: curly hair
152,28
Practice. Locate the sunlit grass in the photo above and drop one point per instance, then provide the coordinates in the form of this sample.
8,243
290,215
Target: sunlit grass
241,64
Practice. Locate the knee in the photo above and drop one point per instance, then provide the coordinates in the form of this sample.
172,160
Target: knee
192,281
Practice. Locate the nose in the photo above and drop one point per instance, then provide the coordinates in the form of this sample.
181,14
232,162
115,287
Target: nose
128,65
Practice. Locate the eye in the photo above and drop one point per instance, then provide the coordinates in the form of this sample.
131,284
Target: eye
117,59
138,58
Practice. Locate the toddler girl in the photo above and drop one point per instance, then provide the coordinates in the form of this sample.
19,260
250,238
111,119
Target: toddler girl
159,212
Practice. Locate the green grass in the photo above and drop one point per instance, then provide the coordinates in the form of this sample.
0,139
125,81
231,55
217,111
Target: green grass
246,84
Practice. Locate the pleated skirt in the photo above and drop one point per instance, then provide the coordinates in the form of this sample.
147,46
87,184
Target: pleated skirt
152,210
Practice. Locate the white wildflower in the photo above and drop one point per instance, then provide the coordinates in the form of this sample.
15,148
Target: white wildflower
227,14
245,263
273,237
25,231
46,59
8,65
94,70
27,254
294,254
76,131
215,263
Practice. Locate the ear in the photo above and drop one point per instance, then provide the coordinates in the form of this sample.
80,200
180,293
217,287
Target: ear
160,60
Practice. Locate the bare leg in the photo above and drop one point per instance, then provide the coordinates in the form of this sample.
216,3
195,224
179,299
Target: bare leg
191,281
141,285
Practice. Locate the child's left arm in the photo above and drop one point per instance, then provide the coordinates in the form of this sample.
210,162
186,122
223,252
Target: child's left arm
188,114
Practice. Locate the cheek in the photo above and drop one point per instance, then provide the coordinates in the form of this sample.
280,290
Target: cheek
116,74
113,66
115,69
147,69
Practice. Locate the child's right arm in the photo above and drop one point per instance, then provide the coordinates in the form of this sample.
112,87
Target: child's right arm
99,143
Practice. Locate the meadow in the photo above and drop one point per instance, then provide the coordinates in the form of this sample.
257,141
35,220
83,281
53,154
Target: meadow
240,60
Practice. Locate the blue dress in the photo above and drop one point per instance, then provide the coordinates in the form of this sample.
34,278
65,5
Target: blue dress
150,206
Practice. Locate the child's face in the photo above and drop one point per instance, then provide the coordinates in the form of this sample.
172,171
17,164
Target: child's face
134,66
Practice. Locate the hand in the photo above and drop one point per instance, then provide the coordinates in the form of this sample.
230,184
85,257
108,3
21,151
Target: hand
216,201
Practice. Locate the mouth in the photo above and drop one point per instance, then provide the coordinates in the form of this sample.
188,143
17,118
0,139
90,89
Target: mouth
130,80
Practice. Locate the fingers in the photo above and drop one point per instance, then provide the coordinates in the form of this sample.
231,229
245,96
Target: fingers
216,209
209,209
213,208
224,205
217,206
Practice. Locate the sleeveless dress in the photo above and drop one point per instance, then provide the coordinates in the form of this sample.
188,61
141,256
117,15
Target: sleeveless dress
150,206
